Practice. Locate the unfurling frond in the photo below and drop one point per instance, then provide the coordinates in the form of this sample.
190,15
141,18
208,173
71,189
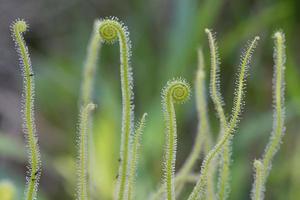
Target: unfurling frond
176,91
111,30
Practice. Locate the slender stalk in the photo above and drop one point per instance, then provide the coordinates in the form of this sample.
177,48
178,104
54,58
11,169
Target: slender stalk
203,134
176,91
279,113
89,70
210,194
203,129
111,30
279,87
224,171
224,174
200,189
18,28
218,102
90,65
258,184
215,79
83,151
135,153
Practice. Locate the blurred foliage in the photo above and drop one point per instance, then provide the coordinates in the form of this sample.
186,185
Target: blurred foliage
165,36
7,190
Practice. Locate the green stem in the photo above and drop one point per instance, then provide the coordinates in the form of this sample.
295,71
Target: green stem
171,149
236,111
90,65
176,91
203,133
18,28
257,193
111,30
274,143
134,159
83,151
87,84
200,189
278,121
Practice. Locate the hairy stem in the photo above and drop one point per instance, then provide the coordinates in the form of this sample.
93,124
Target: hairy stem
176,91
279,57
279,110
83,151
237,108
19,27
111,30
217,100
200,189
203,129
90,65
257,193
134,158
203,134
215,79
89,70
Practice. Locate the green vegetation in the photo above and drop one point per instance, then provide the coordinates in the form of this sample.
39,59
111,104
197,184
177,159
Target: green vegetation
82,94
83,151
199,191
18,28
7,190
263,167
175,92
110,30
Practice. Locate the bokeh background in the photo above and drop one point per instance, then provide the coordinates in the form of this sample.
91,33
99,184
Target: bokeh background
165,36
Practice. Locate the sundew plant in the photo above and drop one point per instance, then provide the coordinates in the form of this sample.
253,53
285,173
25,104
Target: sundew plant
207,170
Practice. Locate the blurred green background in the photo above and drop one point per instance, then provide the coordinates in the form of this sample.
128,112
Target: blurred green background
165,35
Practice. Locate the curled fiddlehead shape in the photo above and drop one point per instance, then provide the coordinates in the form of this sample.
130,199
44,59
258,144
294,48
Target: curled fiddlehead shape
176,91
111,30
18,28
203,137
